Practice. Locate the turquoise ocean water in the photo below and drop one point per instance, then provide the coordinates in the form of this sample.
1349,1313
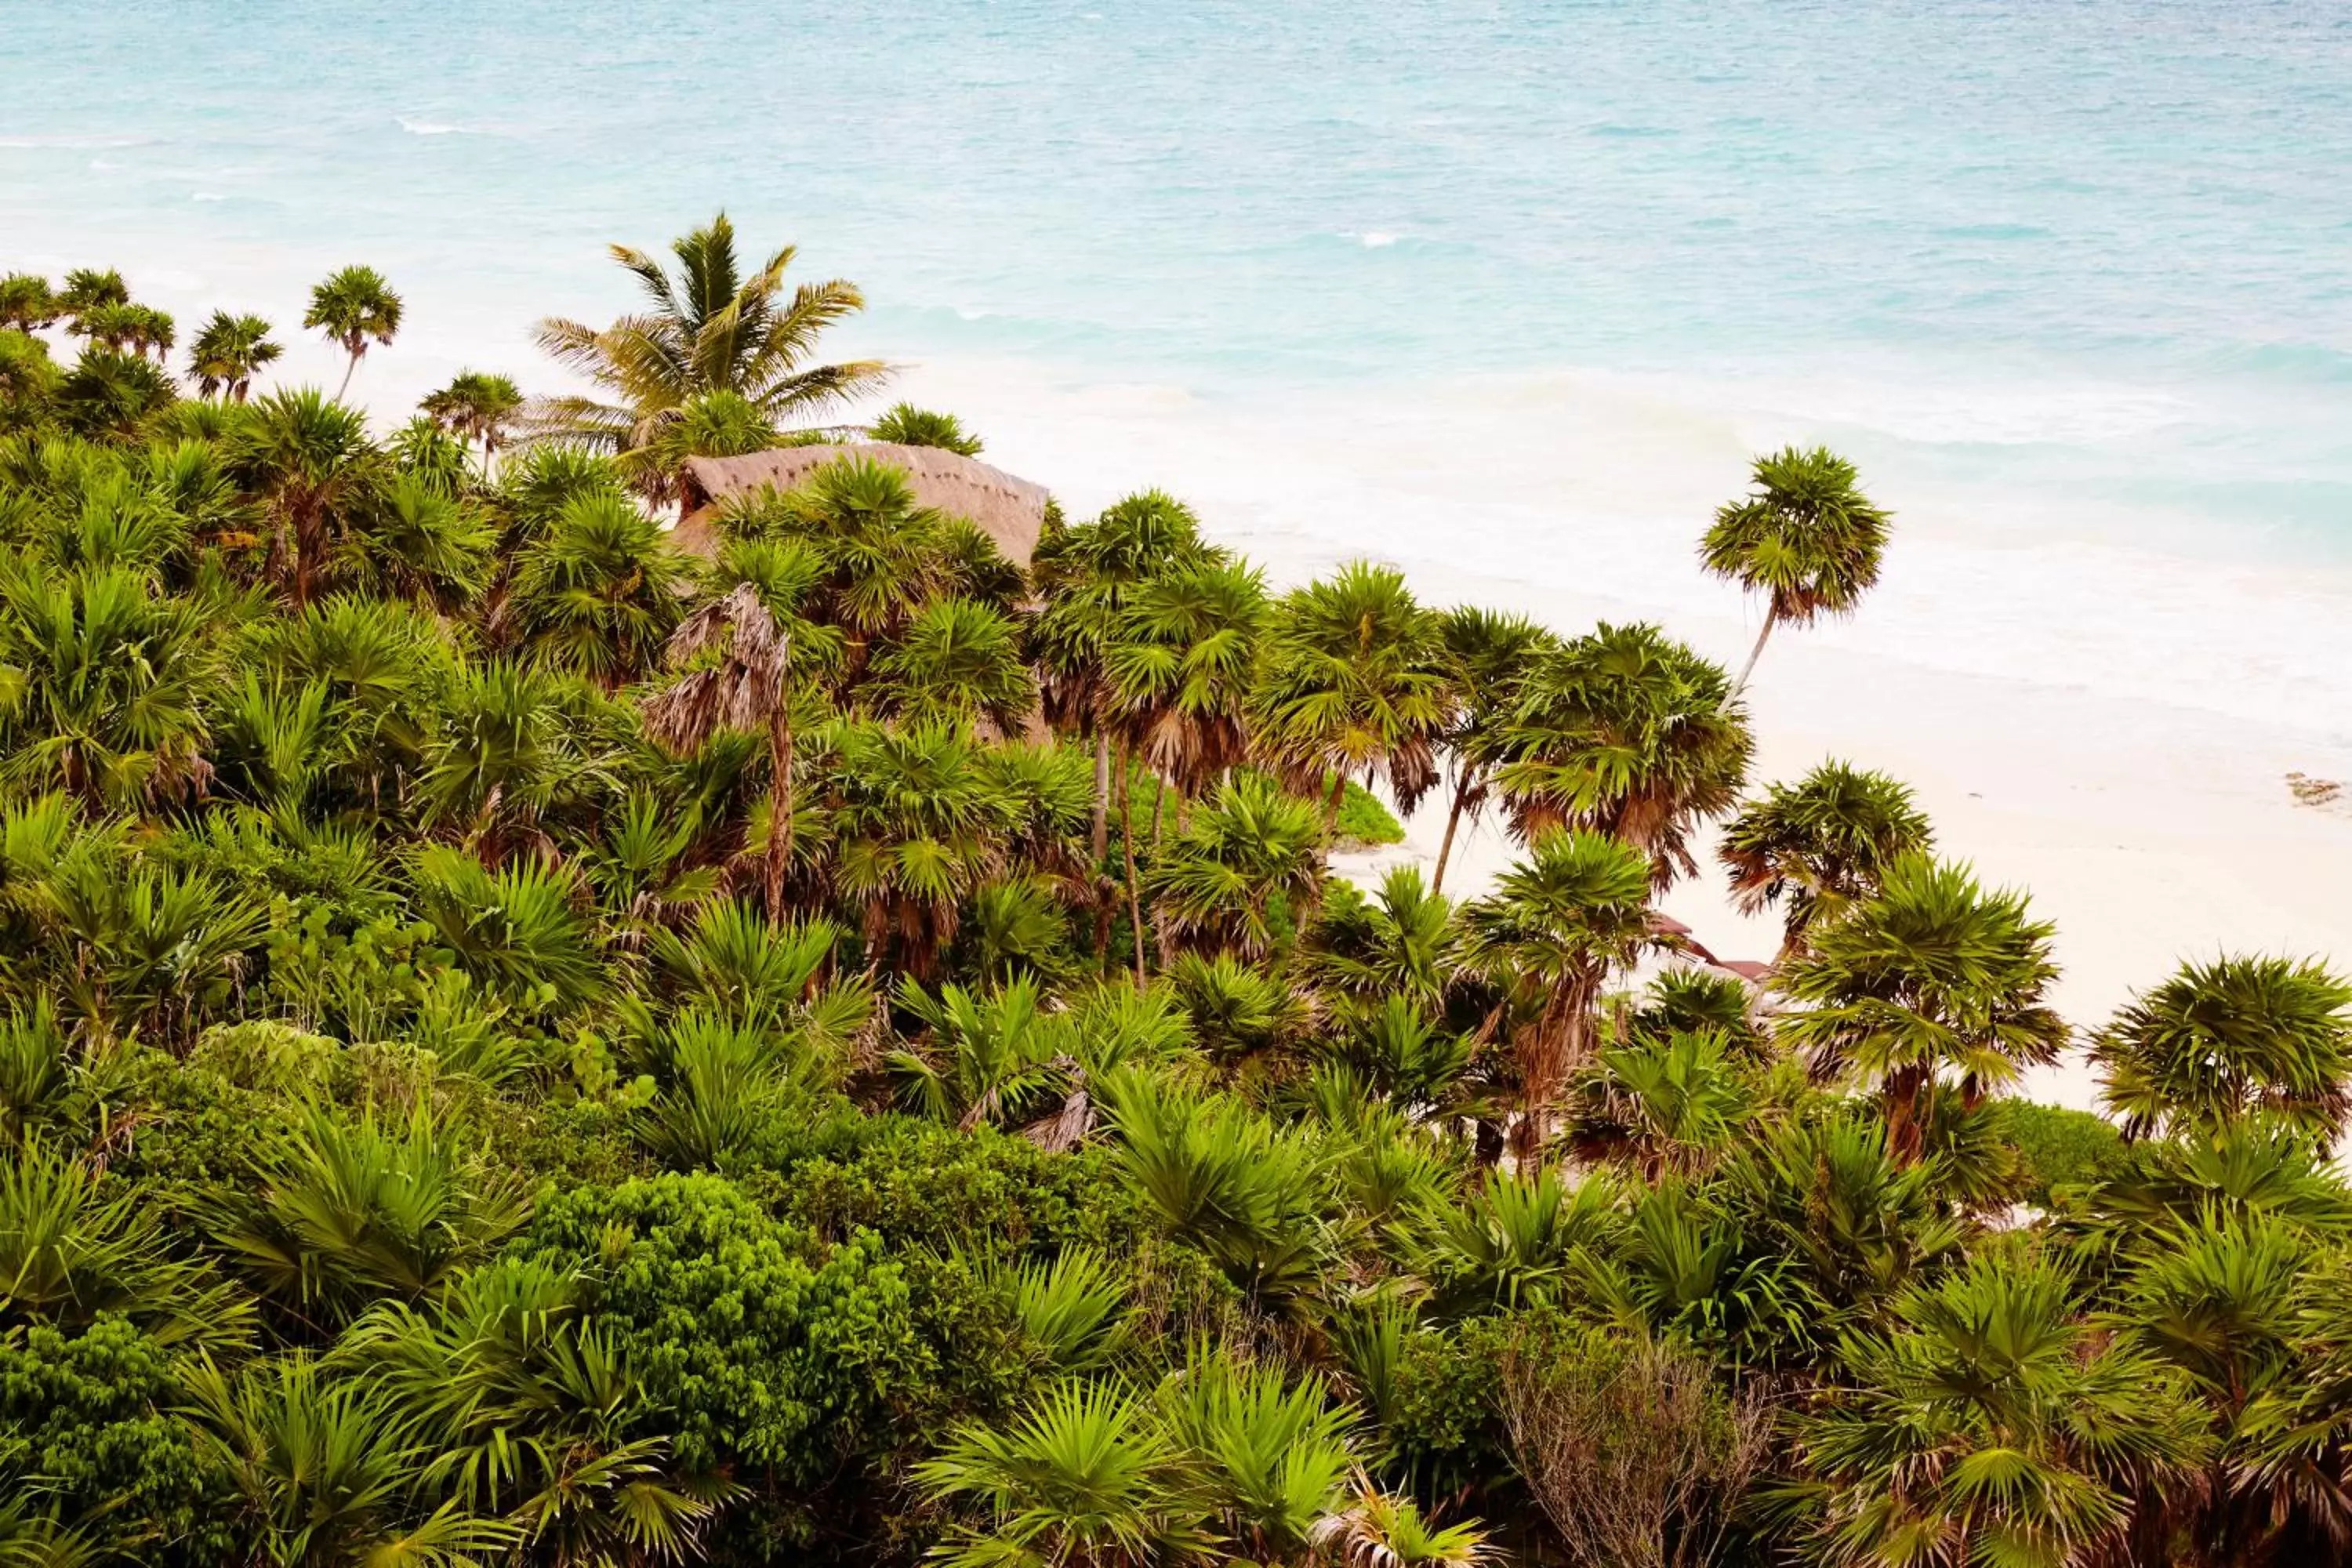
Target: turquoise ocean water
2095,255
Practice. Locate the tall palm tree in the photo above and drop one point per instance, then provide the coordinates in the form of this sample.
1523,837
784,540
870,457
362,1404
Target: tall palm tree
126,328
477,406
1181,651
1557,925
2229,1040
305,456
227,351
1624,732
711,328
920,822
1490,651
748,687
1934,979
27,303
353,307
1806,537
1084,576
1355,682
1821,844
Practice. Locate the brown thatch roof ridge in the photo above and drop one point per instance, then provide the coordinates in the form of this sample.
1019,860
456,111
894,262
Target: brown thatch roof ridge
1010,510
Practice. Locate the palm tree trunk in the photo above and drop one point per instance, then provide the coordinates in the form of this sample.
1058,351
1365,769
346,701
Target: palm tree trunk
1159,808
1127,843
350,368
1772,619
780,807
1453,821
1331,805
1102,795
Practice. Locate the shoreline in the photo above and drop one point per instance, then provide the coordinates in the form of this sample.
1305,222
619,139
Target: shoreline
2147,830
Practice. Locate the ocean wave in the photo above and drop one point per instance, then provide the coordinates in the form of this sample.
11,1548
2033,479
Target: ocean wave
428,127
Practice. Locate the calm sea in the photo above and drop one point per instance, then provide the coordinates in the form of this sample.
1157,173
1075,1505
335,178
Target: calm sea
2079,263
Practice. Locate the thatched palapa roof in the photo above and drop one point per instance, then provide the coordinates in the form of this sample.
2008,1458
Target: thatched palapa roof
1009,511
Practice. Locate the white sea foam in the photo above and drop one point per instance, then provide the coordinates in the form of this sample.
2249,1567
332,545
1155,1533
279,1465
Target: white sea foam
1376,240
427,127
207,196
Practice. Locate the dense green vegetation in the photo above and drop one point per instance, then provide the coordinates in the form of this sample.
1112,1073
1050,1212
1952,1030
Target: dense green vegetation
521,1045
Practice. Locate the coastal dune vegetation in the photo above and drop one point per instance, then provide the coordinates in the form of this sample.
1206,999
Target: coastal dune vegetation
520,1043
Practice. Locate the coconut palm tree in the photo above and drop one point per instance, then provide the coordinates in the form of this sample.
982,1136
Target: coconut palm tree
748,687
477,407
2229,1040
1932,979
1355,682
1623,732
305,456
709,329
1557,925
1821,845
226,353
1805,536
352,307
1489,651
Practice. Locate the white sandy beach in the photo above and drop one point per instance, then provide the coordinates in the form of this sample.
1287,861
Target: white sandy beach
2021,688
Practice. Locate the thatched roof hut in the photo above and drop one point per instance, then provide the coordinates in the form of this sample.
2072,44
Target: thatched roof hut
1009,511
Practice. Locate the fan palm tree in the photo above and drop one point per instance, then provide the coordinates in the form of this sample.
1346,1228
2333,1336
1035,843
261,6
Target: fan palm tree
1557,925
1624,732
709,329
723,424
957,662
1084,576
352,307
477,407
1377,1528
749,686
1489,651
1806,537
600,592
1086,1475
27,303
1251,855
108,677
126,328
305,456
920,824
1355,682
1821,844
2229,1040
1181,649
1932,979
1991,1427
909,426
227,352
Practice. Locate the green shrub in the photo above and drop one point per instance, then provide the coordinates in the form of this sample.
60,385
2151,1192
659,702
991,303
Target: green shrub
2058,1147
